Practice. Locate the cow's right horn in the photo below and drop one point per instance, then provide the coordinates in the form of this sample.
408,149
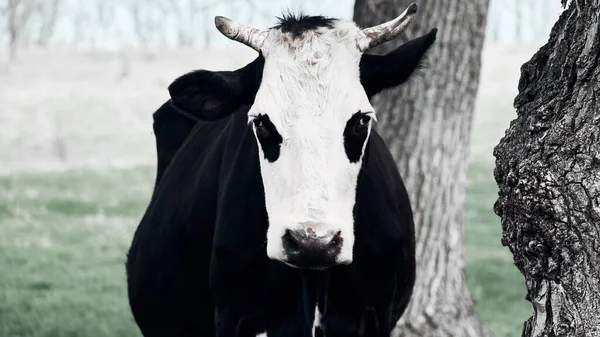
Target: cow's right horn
249,36
376,35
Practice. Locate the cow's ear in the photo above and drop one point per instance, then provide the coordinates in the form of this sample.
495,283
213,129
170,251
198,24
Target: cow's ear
210,95
379,72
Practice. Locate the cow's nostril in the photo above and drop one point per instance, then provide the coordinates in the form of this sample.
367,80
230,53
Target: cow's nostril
291,241
337,239
306,249
335,244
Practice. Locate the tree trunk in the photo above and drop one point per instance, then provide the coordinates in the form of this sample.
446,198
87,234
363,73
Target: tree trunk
11,27
548,172
518,6
427,125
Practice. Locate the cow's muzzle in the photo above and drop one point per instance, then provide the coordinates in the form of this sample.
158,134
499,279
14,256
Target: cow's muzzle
304,249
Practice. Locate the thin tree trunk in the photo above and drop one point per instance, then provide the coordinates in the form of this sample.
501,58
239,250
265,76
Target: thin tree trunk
548,172
49,13
11,26
518,6
427,124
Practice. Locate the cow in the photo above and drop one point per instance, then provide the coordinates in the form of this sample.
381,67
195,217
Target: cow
277,208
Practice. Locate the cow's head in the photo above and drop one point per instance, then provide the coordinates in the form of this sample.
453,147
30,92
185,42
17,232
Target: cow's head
311,118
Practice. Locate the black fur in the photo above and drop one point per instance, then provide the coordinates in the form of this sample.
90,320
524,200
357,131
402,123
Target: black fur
301,23
210,95
355,136
268,137
378,72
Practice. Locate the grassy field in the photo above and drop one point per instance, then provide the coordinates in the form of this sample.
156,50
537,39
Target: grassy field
62,250
496,286
65,234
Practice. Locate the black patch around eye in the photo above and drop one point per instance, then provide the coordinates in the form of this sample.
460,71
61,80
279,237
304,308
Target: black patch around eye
268,137
355,135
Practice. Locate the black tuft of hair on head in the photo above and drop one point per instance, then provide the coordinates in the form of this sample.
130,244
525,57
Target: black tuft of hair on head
298,24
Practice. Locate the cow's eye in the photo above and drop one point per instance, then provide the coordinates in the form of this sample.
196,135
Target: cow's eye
258,122
364,120
270,140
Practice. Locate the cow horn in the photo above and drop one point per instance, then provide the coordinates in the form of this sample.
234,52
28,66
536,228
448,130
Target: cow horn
376,35
249,36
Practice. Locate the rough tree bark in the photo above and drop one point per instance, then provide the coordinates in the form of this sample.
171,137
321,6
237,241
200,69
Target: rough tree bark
548,172
427,125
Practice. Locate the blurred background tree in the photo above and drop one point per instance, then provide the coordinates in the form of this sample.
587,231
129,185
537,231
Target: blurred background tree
116,24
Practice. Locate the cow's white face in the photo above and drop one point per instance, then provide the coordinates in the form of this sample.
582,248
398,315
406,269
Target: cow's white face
311,118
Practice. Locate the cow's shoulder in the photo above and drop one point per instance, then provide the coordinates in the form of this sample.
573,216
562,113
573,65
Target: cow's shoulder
183,206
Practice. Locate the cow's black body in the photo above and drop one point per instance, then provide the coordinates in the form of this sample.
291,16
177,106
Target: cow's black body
197,265
202,239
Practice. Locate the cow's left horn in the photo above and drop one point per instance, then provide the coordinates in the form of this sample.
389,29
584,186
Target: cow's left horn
249,36
376,35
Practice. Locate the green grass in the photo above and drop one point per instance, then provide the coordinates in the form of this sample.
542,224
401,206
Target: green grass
496,285
63,238
62,251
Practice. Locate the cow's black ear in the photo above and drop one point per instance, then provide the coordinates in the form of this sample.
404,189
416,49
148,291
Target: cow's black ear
379,72
210,95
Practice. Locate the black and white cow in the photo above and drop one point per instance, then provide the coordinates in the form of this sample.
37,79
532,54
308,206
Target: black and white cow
278,210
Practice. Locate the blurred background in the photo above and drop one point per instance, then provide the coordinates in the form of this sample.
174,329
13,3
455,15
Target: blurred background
79,81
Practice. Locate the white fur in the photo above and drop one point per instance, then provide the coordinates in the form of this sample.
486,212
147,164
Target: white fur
264,334
317,321
310,88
